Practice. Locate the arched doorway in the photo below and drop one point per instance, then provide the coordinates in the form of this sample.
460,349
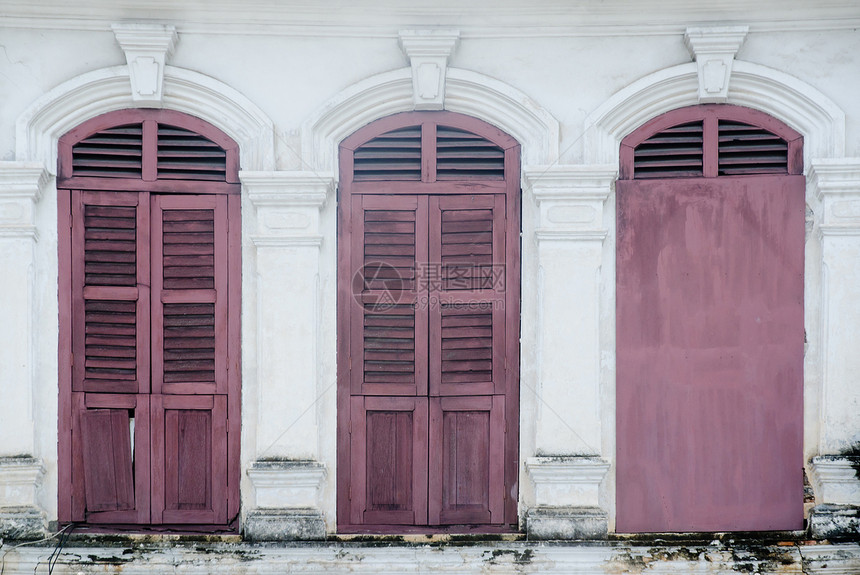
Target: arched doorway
710,332
149,288
428,325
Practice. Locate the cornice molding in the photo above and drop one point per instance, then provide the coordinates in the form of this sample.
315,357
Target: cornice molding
24,180
572,183
480,18
834,177
287,188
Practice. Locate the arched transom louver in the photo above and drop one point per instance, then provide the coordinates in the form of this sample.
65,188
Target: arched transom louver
147,146
430,151
711,141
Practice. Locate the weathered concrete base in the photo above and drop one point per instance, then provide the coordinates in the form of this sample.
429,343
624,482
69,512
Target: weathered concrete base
24,522
835,522
481,558
303,524
569,523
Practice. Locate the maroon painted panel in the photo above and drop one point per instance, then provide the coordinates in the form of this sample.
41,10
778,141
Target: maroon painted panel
710,354
110,481
467,436
189,294
389,458
189,459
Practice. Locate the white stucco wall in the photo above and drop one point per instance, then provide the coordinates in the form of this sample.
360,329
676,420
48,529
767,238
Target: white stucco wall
295,76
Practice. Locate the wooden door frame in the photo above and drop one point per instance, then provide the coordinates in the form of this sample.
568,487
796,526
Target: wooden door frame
710,116
67,182
510,186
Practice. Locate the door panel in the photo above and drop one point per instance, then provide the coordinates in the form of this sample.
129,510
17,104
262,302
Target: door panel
428,239
115,469
710,354
110,279
189,459
467,298
189,294
467,460
389,328
389,463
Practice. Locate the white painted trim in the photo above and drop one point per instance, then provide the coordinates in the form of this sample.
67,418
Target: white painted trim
466,92
280,484
108,89
834,480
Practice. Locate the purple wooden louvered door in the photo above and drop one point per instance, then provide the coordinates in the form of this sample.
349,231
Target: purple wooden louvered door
710,325
428,313
149,322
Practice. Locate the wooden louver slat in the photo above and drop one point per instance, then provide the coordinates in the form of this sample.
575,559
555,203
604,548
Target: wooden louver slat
389,343
110,344
185,155
746,149
395,155
189,342
462,155
676,152
467,345
467,249
110,245
111,153
122,152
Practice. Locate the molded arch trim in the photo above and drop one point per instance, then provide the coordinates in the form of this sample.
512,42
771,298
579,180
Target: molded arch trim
466,92
92,94
796,103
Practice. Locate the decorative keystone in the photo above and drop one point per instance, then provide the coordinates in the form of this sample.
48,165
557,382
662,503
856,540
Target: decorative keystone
714,50
428,52
146,48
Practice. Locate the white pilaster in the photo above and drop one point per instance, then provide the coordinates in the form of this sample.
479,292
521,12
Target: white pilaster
21,187
714,50
570,237
428,52
146,48
837,184
287,242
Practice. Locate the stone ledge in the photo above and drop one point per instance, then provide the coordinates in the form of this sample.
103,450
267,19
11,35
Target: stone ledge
568,523
836,479
299,524
836,522
24,523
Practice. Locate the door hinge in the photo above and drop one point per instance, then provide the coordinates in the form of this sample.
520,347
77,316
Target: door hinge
72,359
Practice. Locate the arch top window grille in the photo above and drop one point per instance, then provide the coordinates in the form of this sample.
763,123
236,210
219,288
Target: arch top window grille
145,147
711,141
